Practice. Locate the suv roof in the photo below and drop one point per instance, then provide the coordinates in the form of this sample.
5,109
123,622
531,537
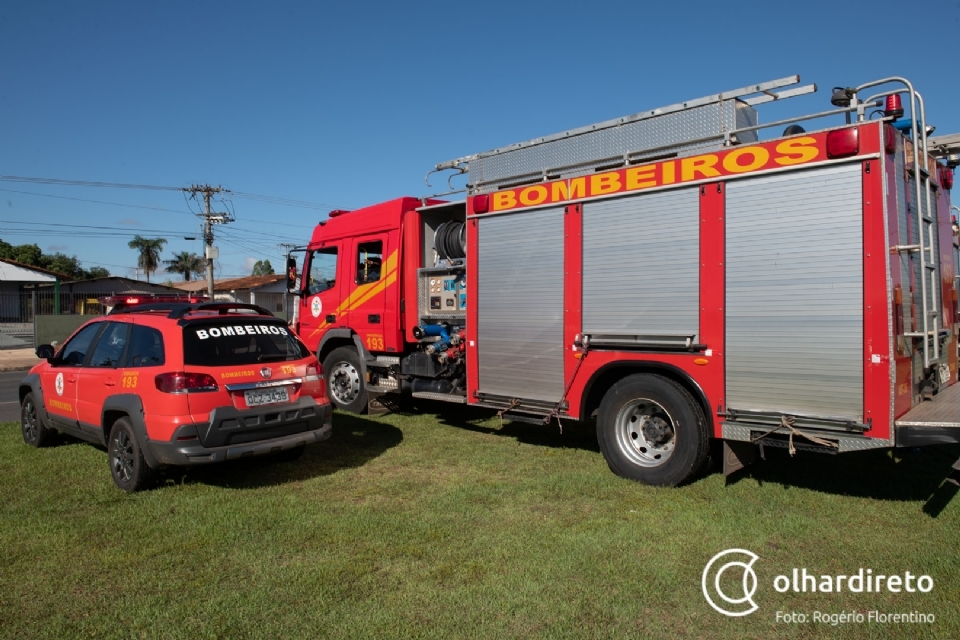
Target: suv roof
176,310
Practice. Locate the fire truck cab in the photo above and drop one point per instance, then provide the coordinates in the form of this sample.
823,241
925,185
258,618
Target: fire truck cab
671,274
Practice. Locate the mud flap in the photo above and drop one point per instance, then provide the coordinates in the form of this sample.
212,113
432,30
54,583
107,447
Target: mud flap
737,455
954,476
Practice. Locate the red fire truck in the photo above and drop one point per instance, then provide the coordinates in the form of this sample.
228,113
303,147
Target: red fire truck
672,274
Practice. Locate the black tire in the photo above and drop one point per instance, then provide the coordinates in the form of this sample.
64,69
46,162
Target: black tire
129,470
652,430
35,433
346,387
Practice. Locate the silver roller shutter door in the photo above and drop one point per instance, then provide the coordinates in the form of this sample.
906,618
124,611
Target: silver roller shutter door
520,305
641,257
794,299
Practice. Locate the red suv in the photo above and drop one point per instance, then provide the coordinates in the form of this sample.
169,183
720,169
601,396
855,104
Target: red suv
174,383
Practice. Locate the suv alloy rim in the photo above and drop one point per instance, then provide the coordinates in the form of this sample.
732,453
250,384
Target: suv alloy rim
28,421
121,456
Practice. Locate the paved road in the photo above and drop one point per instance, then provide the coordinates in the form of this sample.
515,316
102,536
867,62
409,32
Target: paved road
9,402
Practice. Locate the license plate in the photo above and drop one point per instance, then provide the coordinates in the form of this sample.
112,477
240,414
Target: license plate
259,397
944,374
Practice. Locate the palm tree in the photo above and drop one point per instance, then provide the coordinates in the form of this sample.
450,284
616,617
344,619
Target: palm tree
186,264
149,249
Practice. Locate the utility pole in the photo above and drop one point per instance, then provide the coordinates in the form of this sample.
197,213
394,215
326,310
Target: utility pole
210,218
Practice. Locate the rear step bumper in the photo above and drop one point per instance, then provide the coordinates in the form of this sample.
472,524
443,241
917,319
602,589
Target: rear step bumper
314,427
934,421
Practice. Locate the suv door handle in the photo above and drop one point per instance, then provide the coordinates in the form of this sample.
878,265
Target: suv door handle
373,318
110,382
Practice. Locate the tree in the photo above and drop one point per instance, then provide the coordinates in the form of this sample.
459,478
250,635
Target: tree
262,268
149,248
31,255
186,264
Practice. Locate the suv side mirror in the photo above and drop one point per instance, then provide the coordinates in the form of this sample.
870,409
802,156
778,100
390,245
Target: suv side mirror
46,352
291,275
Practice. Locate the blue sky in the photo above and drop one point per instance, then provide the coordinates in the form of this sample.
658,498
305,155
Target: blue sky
347,104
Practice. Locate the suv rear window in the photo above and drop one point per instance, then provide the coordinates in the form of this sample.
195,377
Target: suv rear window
239,343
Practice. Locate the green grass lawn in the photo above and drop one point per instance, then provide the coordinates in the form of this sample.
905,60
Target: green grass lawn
444,525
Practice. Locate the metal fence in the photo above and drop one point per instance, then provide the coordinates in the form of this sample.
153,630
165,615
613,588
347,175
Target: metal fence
18,310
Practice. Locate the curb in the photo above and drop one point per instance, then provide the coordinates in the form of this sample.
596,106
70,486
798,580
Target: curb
4,368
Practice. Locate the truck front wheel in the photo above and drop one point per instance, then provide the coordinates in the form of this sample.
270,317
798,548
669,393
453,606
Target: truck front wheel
652,430
345,385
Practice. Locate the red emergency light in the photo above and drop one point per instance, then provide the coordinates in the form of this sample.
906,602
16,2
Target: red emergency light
843,143
893,107
481,203
946,178
889,139
132,301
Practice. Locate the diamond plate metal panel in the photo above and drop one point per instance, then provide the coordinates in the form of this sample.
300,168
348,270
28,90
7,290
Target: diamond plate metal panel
641,272
671,132
847,443
520,305
794,313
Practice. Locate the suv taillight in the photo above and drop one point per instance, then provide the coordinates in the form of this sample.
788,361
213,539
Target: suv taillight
313,373
180,382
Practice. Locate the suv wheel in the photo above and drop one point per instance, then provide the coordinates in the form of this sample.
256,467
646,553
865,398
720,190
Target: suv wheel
34,432
129,470
345,384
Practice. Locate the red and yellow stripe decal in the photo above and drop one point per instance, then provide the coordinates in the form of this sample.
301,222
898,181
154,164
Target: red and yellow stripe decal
365,292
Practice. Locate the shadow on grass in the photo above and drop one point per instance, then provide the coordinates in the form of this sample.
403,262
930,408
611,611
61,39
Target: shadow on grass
355,441
897,475
575,435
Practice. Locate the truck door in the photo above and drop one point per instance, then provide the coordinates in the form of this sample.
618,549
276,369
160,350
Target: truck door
368,282
321,304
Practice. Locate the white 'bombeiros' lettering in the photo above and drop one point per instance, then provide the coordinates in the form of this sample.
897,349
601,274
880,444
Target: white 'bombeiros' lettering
241,330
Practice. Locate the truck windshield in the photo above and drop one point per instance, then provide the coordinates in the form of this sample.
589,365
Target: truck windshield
239,343
323,270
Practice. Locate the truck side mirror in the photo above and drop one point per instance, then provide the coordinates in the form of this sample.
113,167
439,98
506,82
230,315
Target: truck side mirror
291,275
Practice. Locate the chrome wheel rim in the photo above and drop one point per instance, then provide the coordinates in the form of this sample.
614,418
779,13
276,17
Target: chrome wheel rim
29,422
121,457
344,383
645,432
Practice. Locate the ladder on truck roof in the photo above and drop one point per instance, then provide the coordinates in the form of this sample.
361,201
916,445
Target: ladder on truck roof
684,128
927,239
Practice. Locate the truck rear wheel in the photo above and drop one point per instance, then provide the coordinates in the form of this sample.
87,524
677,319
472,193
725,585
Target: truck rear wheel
652,430
345,384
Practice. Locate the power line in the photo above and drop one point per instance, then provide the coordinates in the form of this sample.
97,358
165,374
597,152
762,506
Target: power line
115,204
284,201
87,183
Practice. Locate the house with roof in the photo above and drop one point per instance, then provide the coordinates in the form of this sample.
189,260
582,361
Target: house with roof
269,292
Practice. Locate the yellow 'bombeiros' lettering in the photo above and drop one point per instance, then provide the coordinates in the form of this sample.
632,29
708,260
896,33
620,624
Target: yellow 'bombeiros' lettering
704,165
641,177
669,172
797,151
533,195
504,200
602,183
758,158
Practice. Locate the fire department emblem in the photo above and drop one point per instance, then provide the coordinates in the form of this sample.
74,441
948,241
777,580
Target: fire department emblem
266,372
59,384
316,307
